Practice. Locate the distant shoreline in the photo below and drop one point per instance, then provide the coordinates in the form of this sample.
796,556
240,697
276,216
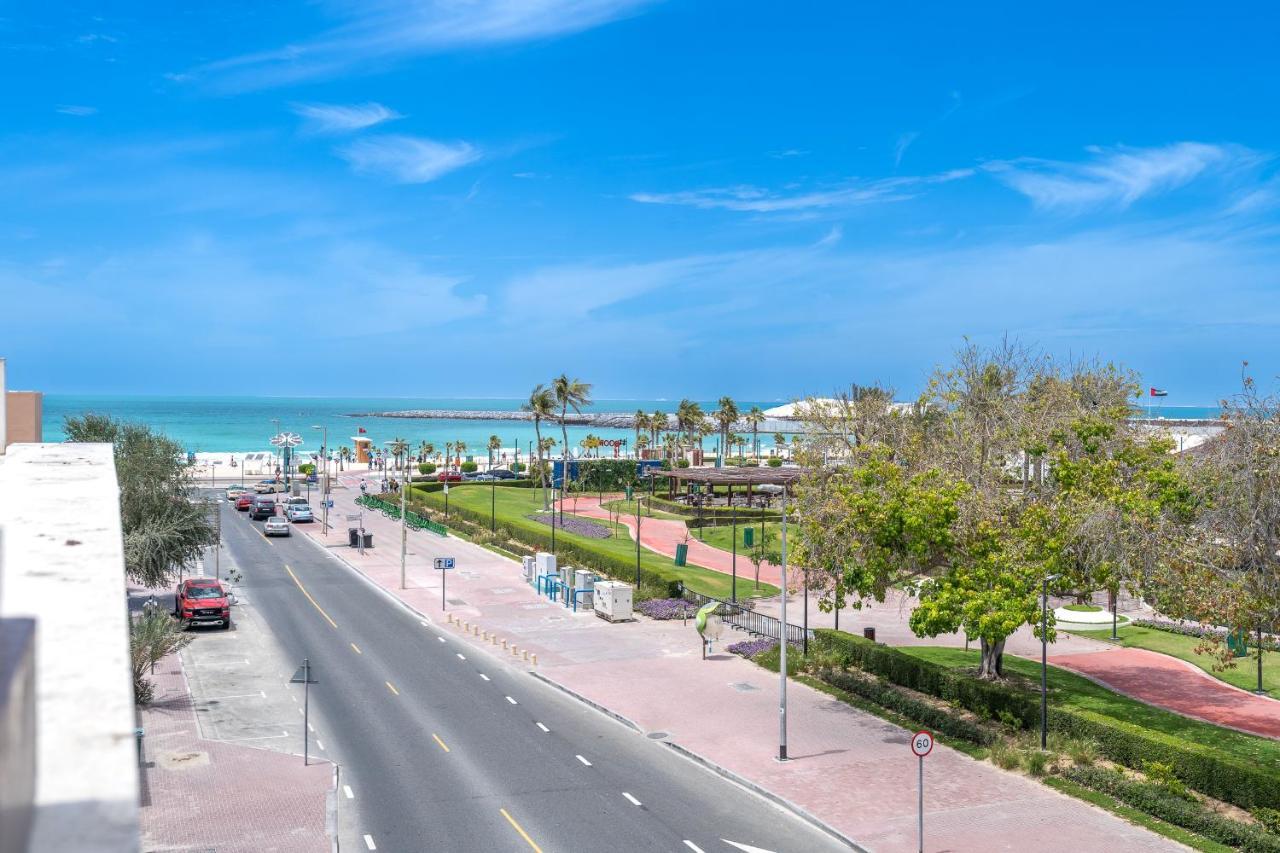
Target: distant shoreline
613,420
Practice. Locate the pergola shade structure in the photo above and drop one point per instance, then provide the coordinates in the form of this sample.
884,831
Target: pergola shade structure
731,477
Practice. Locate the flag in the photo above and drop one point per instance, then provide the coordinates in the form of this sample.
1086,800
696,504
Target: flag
361,430
1159,392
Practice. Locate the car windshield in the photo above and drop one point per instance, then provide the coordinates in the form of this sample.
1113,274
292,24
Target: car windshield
203,592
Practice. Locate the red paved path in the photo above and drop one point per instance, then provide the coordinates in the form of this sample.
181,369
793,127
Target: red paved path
205,795
1177,685
663,535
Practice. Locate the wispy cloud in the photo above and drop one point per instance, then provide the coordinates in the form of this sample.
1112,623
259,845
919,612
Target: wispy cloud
752,199
392,29
340,118
900,147
1117,176
408,159
76,110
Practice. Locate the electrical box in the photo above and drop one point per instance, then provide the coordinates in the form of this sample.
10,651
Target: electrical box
545,563
528,564
612,601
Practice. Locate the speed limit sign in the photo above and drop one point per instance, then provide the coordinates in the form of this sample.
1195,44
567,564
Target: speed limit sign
921,744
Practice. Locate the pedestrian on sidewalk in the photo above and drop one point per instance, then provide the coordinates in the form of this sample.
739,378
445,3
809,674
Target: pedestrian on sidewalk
364,488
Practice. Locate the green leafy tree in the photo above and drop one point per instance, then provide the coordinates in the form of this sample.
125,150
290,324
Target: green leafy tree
153,635
163,529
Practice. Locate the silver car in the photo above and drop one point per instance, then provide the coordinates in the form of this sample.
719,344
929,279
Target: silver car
298,512
276,526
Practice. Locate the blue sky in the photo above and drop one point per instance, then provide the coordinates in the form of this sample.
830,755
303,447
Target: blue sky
672,198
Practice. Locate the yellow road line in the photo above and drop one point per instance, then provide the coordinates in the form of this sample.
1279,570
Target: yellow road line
520,830
309,598
391,687
437,737
357,648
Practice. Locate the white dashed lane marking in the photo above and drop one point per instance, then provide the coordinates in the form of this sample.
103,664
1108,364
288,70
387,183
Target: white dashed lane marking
368,842
346,789
544,728
631,799
583,760
485,677
512,701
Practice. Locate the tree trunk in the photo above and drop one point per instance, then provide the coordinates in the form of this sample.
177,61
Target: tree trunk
542,471
992,666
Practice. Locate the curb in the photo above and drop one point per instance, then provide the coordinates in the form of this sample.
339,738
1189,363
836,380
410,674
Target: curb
766,794
331,812
584,700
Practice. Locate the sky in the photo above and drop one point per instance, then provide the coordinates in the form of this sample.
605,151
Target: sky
664,198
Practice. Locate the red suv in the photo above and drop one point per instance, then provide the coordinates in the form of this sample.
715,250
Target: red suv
449,477
202,601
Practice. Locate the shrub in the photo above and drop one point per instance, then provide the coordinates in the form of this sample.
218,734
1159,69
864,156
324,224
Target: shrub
469,467
1188,814
1269,818
1202,631
1083,751
895,700
306,469
775,462
751,648
682,463
1036,761
517,467
1224,777
1005,755
664,608
426,467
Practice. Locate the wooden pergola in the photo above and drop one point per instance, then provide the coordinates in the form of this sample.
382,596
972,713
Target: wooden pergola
730,477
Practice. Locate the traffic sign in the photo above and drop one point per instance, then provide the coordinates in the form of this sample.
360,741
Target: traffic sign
921,744
444,562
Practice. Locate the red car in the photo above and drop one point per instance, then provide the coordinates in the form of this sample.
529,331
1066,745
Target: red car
450,477
244,502
202,601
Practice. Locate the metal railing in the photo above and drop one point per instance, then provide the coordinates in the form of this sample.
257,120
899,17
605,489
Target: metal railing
756,624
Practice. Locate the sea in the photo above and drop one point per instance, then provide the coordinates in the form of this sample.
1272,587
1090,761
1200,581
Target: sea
246,424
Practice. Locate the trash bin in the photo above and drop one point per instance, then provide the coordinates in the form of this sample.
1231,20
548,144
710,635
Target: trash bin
368,540
682,554
748,536
628,493
869,633
353,537
1238,643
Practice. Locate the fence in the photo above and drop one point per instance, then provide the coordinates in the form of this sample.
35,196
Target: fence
756,624
392,510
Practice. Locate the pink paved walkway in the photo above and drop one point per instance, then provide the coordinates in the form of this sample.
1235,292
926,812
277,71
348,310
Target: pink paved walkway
1177,685
662,535
208,795
849,769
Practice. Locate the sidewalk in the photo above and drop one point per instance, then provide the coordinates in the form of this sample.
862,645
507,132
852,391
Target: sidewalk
1177,685
850,770
201,795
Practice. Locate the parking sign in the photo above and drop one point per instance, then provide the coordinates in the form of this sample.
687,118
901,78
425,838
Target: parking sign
444,562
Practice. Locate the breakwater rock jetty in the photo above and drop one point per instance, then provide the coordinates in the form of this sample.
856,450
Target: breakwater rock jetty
614,420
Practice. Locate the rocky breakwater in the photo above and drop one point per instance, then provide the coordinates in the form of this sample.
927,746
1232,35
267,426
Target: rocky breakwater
614,420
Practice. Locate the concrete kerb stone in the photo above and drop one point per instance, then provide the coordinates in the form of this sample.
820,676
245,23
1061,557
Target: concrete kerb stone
765,793
589,702
331,811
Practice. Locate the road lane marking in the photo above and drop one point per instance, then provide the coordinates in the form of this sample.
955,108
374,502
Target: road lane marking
461,656
311,728
346,789
357,648
368,842
544,728
693,847
512,701
583,760
485,677
391,687
319,743
437,737
518,828
309,598
631,799
746,848
441,639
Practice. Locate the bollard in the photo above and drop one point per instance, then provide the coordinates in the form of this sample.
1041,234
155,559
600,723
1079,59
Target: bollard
535,660
475,630
515,650
504,645
486,635
493,640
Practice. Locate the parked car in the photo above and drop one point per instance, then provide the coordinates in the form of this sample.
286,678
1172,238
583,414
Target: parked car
295,501
503,474
480,476
266,487
245,502
234,492
202,601
450,477
276,526
298,512
263,507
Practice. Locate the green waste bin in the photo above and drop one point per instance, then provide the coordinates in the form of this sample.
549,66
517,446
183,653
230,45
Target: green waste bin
628,493
1238,643
748,536
682,554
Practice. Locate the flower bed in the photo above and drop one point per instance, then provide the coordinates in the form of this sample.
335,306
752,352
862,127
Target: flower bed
573,524
1202,631
751,648
665,608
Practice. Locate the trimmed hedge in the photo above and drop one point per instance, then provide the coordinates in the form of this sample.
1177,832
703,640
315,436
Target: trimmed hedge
924,713
722,512
437,486
1223,777
1177,810
1201,631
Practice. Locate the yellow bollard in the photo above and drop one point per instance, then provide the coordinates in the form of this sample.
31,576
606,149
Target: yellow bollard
504,645
515,650
535,660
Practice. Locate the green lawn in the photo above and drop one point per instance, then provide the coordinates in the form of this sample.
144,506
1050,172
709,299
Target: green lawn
514,505
1243,674
722,537
1083,608
1066,689
629,508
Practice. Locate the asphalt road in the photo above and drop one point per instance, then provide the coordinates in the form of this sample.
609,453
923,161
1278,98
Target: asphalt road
445,748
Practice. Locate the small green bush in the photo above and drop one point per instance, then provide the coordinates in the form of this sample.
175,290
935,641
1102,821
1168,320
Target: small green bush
895,700
682,463
426,467
1036,761
517,467
469,467
775,462
1005,755
1269,818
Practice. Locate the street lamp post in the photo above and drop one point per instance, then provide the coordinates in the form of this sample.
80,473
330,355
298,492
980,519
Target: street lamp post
1044,660
404,531
637,542
213,467
782,644
324,480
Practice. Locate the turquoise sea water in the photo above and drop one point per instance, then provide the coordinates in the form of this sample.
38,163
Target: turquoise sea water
245,424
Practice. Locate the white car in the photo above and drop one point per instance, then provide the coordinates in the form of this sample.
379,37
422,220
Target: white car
298,512
276,526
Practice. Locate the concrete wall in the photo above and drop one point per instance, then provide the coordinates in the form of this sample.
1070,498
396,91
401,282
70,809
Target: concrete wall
24,417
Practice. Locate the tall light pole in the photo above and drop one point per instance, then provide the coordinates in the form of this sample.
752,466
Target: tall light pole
1044,660
324,481
782,646
404,531
213,467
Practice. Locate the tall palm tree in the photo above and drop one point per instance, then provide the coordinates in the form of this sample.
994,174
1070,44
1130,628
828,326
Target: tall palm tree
725,417
541,404
754,418
641,424
570,394
779,441
428,450
423,452
459,447
344,455
689,418
399,449
495,444
657,424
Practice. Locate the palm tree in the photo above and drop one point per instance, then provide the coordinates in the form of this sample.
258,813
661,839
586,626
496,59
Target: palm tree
570,394
642,441
344,455
428,450
688,419
495,444
423,452
725,417
459,447
448,455
779,441
657,423
754,418
541,404
399,449
641,424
